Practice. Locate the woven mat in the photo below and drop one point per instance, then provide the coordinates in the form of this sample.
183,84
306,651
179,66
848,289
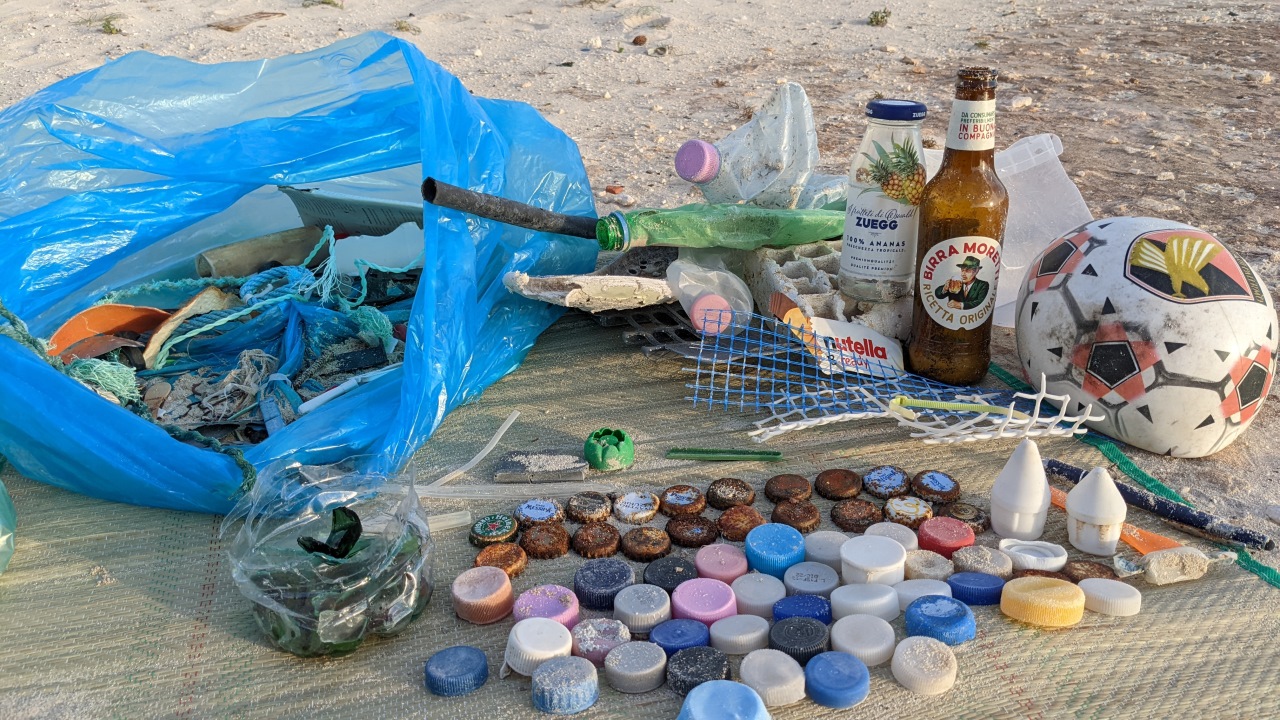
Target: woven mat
110,610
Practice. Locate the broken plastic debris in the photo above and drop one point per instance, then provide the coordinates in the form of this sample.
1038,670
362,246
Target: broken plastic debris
109,319
523,466
608,449
723,455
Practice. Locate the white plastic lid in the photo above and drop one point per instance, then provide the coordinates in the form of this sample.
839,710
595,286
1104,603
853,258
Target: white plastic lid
924,665
1021,486
869,638
1111,597
641,607
903,535
756,594
535,640
927,565
810,578
824,547
873,552
774,675
865,599
636,667
1096,500
911,590
740,634
1034,554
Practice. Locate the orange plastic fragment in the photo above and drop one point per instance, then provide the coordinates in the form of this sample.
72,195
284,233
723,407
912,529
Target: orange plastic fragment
109,319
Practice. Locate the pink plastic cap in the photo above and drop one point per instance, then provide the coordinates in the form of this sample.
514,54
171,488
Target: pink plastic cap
711,314
725,563
697,161
704,600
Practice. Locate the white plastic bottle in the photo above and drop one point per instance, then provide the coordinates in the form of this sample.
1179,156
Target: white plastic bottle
1020,495
768,161
711,294
1095,514
886,183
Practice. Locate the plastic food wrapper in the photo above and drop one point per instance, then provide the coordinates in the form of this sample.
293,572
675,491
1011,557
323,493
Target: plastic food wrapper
325,601
128,172
8,525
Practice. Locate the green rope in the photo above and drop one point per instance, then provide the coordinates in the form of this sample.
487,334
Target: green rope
1126,465
117,379
182,284
191,436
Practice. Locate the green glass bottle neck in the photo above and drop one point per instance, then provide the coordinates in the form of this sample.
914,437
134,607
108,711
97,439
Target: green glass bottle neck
612,232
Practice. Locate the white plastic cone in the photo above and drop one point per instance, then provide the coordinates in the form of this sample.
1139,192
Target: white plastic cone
1020,495
1095,513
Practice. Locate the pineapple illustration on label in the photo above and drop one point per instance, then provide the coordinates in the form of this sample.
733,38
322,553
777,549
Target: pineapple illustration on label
898,174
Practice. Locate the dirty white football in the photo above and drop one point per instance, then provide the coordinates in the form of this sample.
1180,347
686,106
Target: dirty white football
1158,325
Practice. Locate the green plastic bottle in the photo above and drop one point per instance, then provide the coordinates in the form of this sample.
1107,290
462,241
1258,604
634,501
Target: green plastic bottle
739,227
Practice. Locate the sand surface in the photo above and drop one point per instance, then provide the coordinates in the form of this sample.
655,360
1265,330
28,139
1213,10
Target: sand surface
1165,107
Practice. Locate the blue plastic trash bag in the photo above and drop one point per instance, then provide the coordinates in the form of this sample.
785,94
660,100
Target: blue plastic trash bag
128,171
8,525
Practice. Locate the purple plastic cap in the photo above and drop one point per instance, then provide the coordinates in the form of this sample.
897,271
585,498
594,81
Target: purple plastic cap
697,161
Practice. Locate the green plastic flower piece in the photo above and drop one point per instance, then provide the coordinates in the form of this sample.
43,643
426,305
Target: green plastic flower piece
609,449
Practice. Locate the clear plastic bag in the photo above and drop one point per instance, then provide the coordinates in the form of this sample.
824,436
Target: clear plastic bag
129,171
326,602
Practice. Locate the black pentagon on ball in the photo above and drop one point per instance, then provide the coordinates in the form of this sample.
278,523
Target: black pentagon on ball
1252,385
1112,362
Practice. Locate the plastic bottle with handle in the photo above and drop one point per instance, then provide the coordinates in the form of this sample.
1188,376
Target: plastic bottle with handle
769,161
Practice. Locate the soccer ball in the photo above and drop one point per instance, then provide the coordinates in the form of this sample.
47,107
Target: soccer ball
1158,325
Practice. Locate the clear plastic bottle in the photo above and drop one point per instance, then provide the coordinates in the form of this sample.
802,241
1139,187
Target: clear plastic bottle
886,182
711,294
768,162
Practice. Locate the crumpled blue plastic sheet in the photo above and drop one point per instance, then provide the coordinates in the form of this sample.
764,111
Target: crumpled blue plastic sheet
126,172
8,525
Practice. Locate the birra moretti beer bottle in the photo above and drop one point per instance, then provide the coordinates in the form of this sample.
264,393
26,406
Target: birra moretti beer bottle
962,220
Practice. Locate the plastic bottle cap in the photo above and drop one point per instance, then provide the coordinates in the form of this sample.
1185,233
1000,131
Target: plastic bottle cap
824,546
873,559
810,578
723,700
676,635
1043,601
903,535
924,665
944,535
810,606
869,638
636,508
887,109
641,607
482,595
941,618
565,686
1111,597
927,565
774,547
594,638
756,594
554,602
740,634
799,637
533,641
1034,554
703,599
725,563
697,161
636,667
774,675
711,314
668,572
974,588
909,590
981,559
1020,495
693,666
598,581
837,680
865,599
457,670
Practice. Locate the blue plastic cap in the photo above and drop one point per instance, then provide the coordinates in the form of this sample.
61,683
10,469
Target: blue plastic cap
456,671
973,588
810,606
897,110
941,618
565,686
597,582
676,635
723,700
773,547
837,680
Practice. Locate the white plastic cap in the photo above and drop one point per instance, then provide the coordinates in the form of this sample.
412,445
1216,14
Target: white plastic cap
1020,495
865,599
824,546
924,665
869,638
1111,597
757,592
740,634
911,590
903,535
774,675
534,641
872,559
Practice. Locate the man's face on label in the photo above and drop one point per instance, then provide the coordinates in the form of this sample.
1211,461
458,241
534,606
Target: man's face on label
968,274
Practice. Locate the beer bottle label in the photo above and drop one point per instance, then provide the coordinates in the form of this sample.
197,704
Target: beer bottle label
957,282
973,125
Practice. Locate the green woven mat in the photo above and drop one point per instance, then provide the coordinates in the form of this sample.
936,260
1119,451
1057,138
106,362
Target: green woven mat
113,611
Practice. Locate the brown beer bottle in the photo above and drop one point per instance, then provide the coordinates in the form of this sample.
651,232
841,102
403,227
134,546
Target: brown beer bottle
962,219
